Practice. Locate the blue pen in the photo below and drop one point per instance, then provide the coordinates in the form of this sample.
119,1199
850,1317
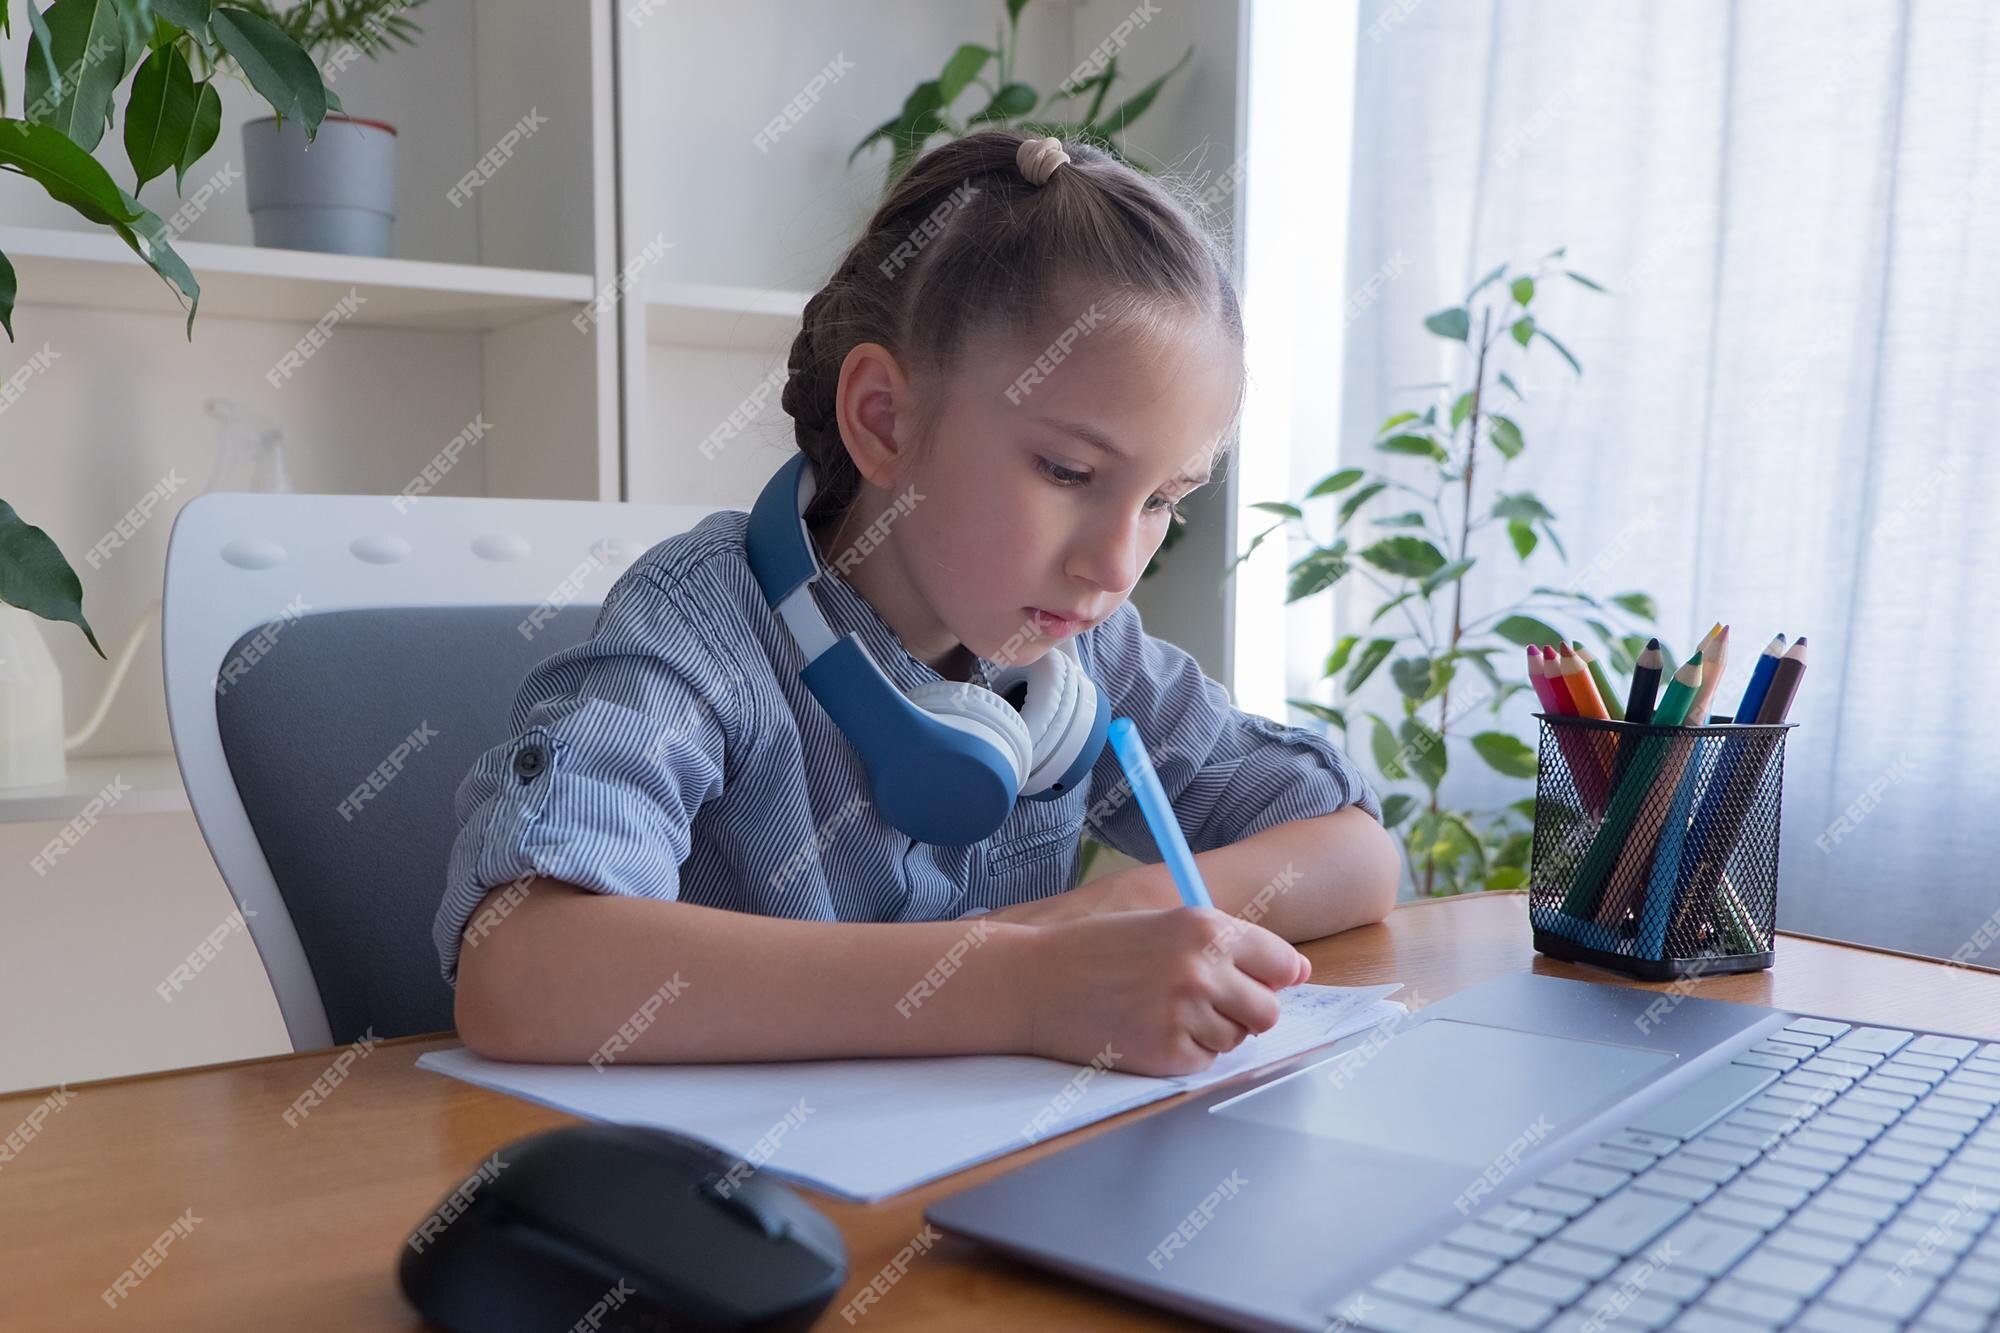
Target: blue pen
1167,835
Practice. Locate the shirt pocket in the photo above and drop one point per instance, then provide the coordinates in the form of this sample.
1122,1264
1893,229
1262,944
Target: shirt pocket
1038,832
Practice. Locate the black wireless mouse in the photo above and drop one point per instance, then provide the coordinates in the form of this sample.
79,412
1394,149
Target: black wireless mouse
620,1227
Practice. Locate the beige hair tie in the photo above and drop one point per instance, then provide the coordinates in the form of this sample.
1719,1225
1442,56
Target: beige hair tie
1039,158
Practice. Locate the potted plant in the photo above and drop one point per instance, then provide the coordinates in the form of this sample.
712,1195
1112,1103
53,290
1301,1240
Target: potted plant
79,53
1428,531
335,192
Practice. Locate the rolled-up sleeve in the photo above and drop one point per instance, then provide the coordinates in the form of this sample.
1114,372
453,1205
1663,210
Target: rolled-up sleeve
1228,774
617,742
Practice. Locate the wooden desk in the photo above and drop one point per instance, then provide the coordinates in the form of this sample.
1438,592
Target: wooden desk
300,1227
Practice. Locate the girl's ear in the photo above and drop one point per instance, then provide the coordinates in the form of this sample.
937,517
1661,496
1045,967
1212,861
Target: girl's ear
872,396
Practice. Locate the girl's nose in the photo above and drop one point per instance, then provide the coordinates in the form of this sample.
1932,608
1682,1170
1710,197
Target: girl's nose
1111,555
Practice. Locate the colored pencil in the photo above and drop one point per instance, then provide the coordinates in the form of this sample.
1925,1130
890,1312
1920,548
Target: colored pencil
1712,853
1760,680
1544,691
1587,774
1714,661
1603,682
1589,703
1645,684
1784,684
1593,876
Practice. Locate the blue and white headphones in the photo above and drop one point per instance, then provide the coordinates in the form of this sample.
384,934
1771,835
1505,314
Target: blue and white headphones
945,762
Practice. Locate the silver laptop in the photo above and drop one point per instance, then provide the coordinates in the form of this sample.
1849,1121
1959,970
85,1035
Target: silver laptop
1538,1153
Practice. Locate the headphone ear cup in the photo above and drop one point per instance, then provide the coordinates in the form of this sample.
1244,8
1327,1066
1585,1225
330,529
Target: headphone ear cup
1052,689
978,711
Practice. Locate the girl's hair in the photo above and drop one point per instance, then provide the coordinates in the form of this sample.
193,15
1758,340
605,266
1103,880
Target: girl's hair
965,244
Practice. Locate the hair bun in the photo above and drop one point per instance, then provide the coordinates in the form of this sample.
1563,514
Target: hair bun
1039,158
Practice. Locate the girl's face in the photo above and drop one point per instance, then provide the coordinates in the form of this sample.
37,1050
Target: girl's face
1047,485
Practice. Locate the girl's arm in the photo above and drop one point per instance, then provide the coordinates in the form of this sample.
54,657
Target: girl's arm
572,976
1301,880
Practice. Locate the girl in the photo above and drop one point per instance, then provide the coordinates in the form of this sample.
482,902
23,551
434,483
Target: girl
1012,381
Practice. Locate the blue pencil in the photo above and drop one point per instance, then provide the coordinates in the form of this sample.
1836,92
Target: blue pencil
1166,829
1760,680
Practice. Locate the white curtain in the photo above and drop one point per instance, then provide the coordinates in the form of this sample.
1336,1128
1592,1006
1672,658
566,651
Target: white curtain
1795,379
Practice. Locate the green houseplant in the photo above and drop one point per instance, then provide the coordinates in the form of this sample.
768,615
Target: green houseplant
1075,110
79,53
1448,660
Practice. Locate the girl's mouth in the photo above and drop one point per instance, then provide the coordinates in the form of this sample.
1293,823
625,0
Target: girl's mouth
1052,626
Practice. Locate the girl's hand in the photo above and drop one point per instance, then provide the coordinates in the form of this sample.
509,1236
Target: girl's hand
1162,991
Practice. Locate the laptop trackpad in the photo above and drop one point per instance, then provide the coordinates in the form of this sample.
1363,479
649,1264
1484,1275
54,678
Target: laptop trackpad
1451,1090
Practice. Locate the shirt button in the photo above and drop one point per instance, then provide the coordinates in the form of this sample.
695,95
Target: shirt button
528,761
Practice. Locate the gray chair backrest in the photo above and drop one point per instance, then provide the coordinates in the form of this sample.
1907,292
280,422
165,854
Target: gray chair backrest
360,864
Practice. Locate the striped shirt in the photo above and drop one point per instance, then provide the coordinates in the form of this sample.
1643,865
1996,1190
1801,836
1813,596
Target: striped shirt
676,754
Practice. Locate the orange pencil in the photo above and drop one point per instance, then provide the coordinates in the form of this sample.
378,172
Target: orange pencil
1582,688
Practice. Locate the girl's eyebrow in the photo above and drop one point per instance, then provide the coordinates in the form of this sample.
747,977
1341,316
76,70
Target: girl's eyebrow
1090,434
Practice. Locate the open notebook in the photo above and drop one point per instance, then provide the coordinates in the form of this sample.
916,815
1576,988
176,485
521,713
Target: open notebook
866,1129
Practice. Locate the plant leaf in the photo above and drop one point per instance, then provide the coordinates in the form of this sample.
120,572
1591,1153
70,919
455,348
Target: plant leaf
1336,481
1523,290
1395,421
1574,276
1451,573
1396,808
1337,659
1523,330
159,115
87,42
1371,657
1506,436
1417,446
1503,878
1453,323
1549,338
1523,506
1382,742
1279,507
1329,715
1015,99
1461,409
1505,753
1413,519
961,69
1524,630
1412,676
1423,751
7,293
35,577
1317,571
1638,603
1410,557
1391,605
1135,106
1352,504
1481,285
1522,536
202,131
277,67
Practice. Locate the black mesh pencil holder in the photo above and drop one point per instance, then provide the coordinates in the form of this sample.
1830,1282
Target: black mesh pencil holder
1656,848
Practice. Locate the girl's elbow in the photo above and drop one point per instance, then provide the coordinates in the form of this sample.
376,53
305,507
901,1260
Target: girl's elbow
1381,868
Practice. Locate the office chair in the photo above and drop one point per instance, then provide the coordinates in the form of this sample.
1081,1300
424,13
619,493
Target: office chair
333,667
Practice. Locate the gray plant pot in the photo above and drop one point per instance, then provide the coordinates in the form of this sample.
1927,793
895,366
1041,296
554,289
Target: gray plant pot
337,194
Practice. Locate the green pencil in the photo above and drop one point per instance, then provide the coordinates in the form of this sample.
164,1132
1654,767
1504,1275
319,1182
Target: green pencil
1611,704
1637,780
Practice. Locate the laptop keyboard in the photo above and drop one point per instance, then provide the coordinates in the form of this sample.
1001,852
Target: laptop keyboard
1833,1177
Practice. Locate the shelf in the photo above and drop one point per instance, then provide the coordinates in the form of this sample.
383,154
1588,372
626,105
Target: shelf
96,271
154,781
715,315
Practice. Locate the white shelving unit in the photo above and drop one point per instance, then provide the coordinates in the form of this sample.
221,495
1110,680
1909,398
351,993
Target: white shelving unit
642,144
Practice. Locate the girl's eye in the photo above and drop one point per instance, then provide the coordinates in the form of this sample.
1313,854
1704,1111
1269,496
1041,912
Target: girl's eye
1067,476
